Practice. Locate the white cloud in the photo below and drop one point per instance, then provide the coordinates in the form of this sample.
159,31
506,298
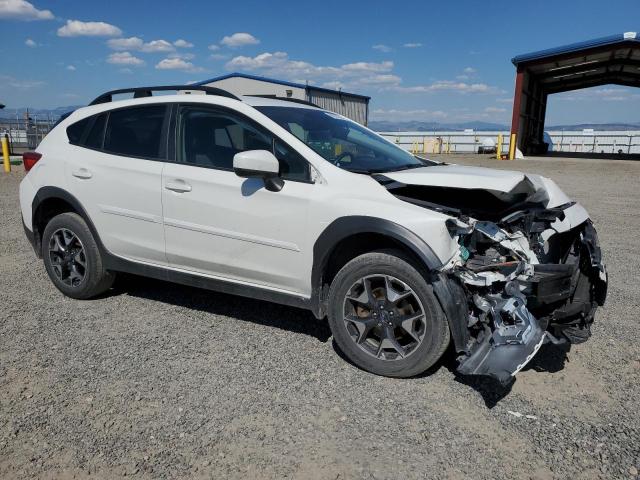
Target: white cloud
504,100
71,68
218,56
382,48
76,28
22,10
449,85
157,46
279,63
381,79
137,44
69,95
495,110
30,43
131,43
412,45
214,47
239,40
180,43
414,114
470,70
177,63
184,56
10,81
124,58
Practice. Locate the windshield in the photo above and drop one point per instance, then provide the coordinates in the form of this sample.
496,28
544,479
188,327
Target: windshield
342,142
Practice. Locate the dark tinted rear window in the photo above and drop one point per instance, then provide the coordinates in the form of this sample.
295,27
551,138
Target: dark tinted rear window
76,130
96,133
135,131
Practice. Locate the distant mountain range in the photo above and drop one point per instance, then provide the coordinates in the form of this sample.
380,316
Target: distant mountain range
418,126
377,125
37,113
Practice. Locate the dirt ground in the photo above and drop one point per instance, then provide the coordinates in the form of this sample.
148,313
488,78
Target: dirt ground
162,381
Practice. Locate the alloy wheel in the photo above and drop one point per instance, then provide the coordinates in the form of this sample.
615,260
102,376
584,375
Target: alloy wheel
68,258
384,317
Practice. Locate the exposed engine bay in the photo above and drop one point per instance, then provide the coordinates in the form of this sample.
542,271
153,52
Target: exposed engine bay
525,273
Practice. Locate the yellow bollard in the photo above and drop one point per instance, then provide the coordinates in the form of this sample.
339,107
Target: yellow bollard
499,147
424,145
512,147
5,155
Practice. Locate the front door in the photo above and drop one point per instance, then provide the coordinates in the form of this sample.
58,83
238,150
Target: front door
229,227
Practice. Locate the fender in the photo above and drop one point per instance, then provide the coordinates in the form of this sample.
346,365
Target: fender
345,227
449,294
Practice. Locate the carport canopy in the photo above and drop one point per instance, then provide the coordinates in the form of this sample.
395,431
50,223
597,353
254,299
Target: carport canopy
609,60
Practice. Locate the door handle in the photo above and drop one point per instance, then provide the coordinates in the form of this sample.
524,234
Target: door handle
82,173
179,186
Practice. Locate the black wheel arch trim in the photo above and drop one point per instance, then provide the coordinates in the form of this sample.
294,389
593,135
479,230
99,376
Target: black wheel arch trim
345,227
47,193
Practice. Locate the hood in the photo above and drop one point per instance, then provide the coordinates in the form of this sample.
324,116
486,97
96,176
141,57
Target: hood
476,191
460,176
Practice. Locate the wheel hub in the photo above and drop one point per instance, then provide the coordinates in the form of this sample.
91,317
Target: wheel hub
384,317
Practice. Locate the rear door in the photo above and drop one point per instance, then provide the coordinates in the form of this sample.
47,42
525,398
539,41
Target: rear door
115,171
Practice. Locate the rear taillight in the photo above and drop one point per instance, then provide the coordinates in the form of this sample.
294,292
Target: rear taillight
29,159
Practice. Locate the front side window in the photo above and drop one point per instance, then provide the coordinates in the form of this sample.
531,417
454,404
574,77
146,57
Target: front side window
342,142
211,138
135,131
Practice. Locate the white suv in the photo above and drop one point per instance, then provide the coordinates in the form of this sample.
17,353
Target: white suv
280,200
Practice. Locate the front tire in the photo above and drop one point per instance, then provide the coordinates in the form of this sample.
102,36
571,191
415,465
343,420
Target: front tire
385,317
72,258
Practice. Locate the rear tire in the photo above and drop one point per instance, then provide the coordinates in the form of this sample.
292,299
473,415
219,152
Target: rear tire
385,317
72,258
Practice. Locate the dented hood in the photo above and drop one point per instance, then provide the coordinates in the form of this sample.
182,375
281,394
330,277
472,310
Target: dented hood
460,176
506,185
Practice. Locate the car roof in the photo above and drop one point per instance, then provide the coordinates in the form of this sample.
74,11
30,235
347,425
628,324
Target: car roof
256,101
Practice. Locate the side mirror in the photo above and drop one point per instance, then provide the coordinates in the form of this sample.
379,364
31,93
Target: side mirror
259,164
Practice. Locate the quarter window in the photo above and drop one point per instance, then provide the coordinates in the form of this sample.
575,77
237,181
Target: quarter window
135,131
211,138
95,137
76,130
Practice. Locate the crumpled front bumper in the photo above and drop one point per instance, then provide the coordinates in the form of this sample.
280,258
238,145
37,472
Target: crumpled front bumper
536,304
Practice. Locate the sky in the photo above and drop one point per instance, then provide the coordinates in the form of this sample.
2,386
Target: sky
418,60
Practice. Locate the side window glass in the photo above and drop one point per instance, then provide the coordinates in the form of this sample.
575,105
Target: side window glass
211,139
292,165
135,131
95,137
76,130
208,138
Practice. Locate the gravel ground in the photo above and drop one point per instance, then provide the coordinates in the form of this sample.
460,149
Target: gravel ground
162,381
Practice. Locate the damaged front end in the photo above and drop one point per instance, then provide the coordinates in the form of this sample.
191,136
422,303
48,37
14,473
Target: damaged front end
523,275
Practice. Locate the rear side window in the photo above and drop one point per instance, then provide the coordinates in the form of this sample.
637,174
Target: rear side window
135,131
76,131
95,137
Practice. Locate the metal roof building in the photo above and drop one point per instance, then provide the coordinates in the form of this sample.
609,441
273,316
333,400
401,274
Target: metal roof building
351,105
609,60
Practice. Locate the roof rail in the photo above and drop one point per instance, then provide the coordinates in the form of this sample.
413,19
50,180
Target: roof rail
287,99
141,92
